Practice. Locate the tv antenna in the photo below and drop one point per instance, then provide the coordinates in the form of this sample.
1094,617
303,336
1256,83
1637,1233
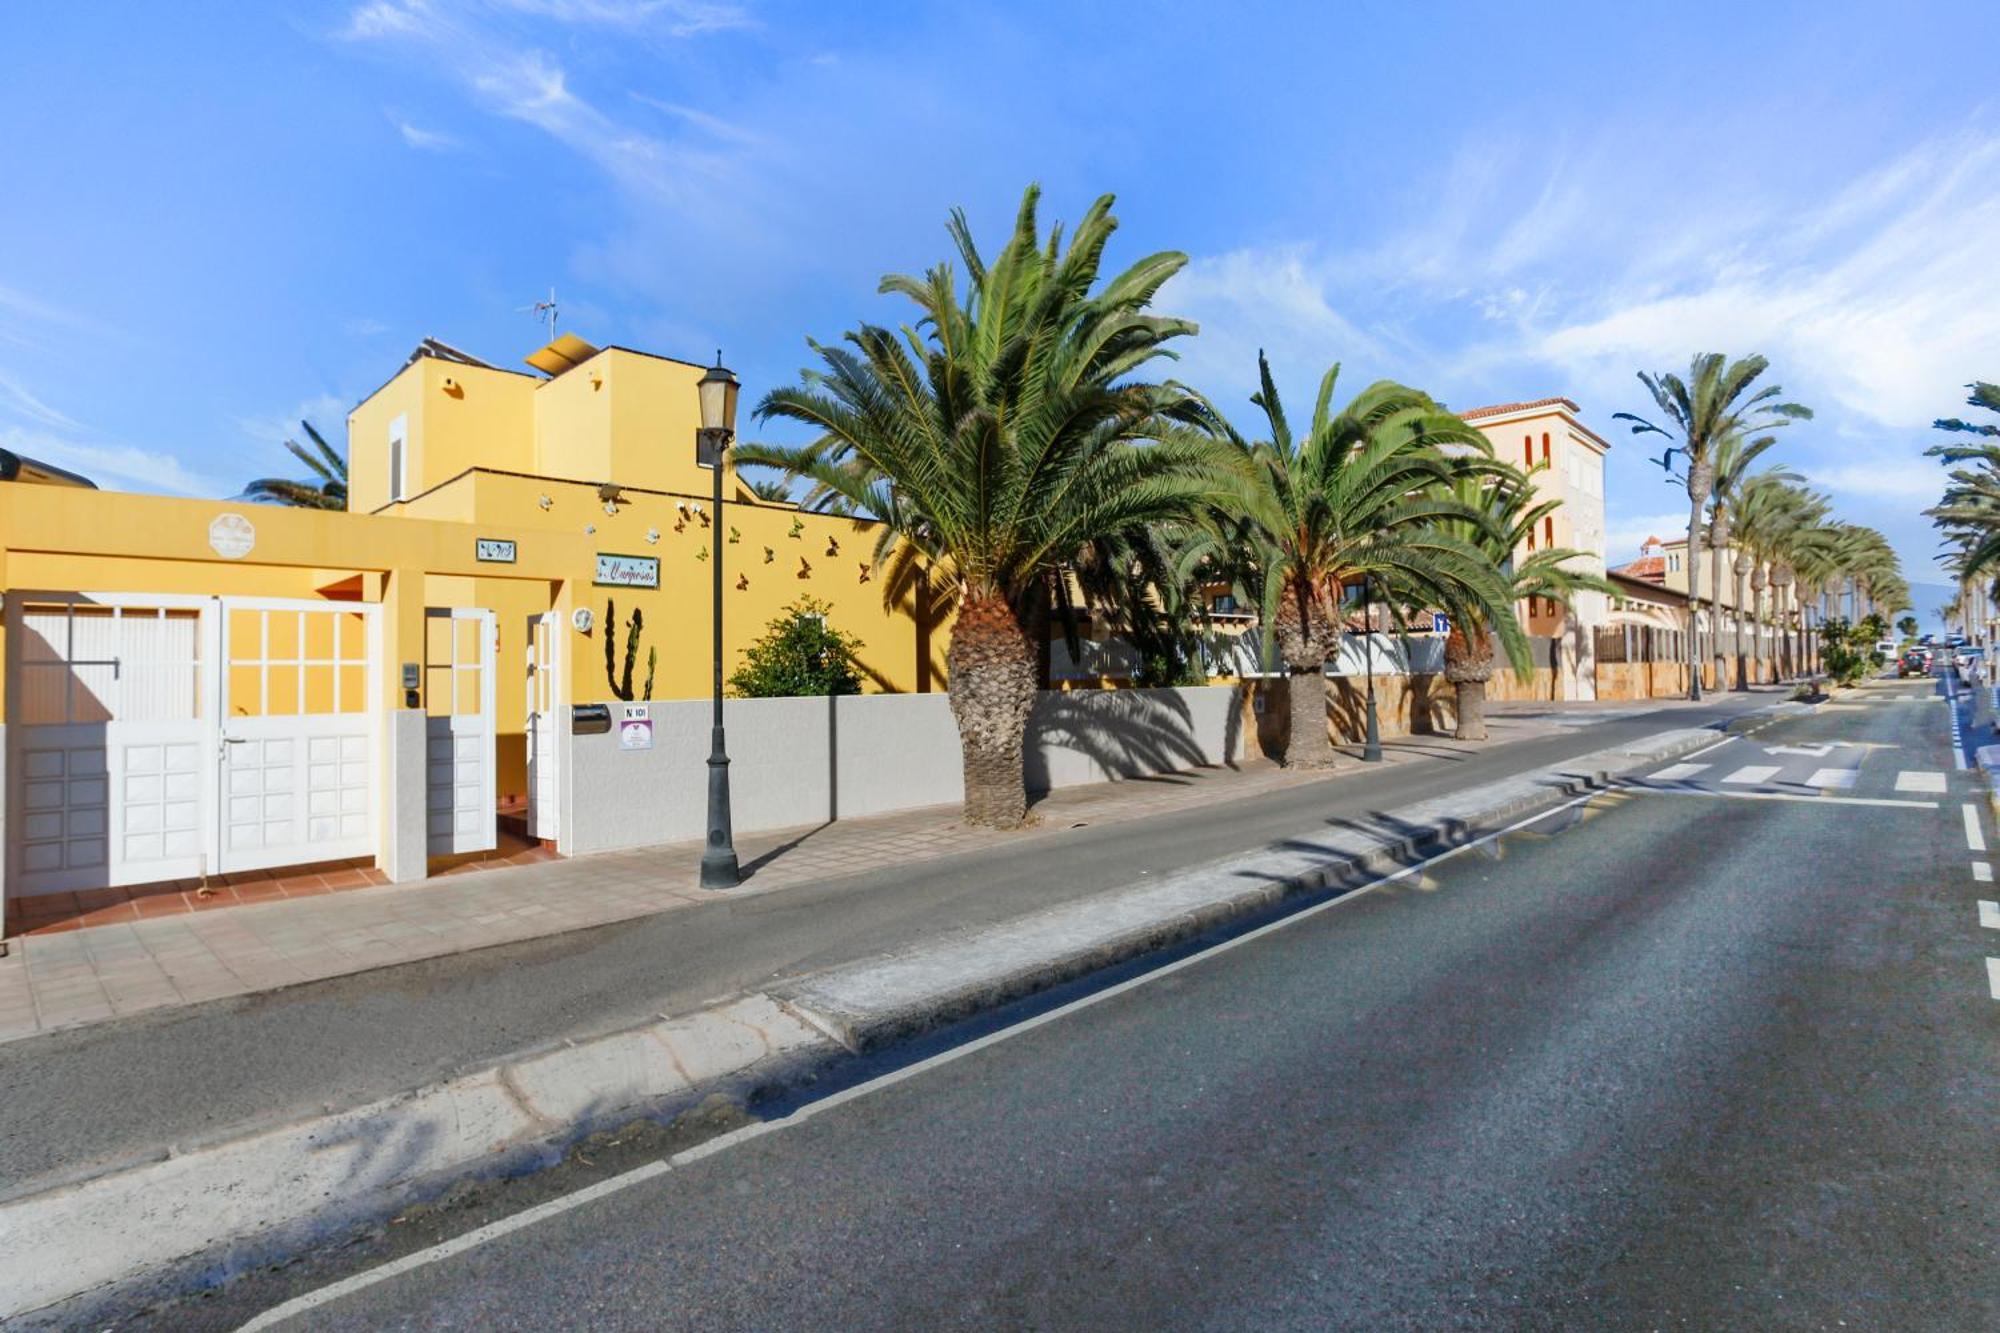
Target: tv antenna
544,310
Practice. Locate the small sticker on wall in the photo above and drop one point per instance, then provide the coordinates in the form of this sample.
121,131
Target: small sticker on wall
635,732
231,536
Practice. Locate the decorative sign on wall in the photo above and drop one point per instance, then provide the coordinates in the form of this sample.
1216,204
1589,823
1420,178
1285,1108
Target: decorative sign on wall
231,536
635,732
493,551
628,571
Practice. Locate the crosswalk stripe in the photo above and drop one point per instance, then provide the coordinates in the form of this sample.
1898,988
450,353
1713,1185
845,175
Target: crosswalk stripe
1983,871
1989,914
1752,773
1841,778
1921,780
1679,772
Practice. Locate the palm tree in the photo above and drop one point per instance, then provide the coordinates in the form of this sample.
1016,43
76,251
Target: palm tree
994,439
328,465
1513,515
1364,494
1713,404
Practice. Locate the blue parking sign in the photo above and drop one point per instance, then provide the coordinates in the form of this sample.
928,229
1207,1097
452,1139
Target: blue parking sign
1440,623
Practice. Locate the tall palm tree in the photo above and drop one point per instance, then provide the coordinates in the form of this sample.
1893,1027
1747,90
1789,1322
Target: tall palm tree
1714,403
1362,494
994,439
327,489
1513,516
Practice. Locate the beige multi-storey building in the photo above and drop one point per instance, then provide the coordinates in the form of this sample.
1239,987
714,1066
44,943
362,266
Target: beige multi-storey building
1548,434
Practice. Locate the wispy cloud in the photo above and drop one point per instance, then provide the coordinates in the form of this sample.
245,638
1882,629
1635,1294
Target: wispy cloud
701,120
114,466
15,399
428,141
678,18
326,412
362,326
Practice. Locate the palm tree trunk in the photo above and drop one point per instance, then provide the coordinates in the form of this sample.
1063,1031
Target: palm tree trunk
1700,476
1468,665
1309,744
1742,667
1307,634
992,688
1718,541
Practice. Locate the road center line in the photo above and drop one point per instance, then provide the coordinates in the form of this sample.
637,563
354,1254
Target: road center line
1974,838
347,1286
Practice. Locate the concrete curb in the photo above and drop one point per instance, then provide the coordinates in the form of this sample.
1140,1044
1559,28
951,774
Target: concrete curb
286,1185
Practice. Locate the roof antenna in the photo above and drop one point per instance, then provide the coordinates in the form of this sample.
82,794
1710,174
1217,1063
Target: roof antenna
544,310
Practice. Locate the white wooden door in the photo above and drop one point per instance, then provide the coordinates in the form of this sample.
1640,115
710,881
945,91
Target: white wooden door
544,722
109,762
296,735
460,806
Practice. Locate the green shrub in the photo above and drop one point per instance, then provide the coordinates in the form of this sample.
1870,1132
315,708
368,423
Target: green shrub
800,655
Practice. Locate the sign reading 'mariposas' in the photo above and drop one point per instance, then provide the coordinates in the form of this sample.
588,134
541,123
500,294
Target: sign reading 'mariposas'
628,571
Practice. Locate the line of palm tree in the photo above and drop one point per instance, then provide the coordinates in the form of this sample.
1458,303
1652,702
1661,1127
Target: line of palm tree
1363,494
326,490
1716,402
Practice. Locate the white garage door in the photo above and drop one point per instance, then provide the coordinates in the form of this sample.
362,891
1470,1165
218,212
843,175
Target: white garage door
107,752
297,732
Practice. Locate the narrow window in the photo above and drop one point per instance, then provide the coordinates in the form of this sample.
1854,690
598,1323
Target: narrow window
398,430
1545,446
1528,449
1549,530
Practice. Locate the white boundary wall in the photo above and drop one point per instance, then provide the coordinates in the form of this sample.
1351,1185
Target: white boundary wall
805,761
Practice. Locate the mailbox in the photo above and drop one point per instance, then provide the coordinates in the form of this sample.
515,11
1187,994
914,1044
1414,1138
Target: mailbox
589,719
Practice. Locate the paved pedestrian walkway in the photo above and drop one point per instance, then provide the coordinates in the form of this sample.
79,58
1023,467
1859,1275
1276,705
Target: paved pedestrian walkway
131,966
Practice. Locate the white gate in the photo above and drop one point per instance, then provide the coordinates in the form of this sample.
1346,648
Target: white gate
297,733
544,721
108,753
461,811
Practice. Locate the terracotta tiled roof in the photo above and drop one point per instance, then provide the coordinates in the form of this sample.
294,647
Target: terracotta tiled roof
1652,569
1501,409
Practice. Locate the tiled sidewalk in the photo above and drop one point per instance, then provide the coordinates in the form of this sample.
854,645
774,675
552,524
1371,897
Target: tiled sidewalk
86,975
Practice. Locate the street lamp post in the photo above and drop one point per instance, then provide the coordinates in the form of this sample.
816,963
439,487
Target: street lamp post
1371,750
717,390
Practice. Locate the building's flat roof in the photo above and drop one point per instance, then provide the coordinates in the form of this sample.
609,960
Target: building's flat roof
13,467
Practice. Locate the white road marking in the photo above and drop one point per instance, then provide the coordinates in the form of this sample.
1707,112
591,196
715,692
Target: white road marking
1810,751
1706,748
1679,772
1989,914
312,1300
1982,871
1841,778
1974,838
1993,977
1780,796
1752,774
1924,780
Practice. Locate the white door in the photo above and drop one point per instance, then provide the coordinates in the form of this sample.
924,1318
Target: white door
296,738
460,807
543,725
108,760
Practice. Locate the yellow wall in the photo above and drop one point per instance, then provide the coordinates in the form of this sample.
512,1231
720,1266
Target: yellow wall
457,416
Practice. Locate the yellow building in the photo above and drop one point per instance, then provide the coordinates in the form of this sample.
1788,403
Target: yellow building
203,688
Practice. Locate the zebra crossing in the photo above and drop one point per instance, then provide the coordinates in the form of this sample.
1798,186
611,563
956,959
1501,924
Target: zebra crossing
1833,770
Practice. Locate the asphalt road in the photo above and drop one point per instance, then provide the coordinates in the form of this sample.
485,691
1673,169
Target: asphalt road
102,1093
1700,1054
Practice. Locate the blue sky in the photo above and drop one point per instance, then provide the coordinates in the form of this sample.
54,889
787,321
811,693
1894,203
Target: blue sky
219,218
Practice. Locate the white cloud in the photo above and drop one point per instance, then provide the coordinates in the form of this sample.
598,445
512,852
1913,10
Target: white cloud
701,120
1625,533
15,398
324,410
363,326
678,18
109,465
1277,300
429,141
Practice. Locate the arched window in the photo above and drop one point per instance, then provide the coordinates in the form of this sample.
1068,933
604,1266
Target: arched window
1528,449
1545,446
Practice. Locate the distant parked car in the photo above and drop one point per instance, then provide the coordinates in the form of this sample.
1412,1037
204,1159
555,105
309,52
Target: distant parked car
1971,661
1916,662
1887,648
